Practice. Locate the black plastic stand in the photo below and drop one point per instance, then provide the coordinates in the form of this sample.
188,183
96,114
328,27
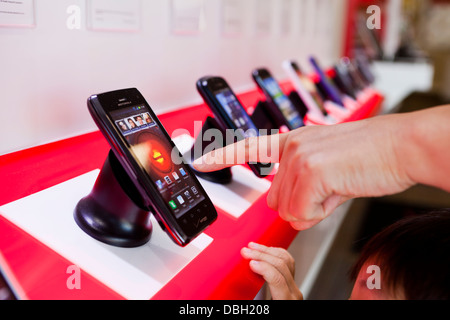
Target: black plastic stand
298,103
262,118
114,212
222,176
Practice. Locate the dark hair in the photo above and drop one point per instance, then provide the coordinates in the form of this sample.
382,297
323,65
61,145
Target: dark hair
413,255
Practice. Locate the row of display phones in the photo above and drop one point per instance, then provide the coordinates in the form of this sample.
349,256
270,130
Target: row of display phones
330,95
170,188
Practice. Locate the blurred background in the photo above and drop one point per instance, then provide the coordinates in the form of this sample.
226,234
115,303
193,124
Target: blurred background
55,53
70,49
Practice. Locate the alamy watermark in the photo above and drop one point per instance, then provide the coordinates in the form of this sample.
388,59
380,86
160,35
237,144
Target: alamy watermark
374,280
73,21
374,20
74,280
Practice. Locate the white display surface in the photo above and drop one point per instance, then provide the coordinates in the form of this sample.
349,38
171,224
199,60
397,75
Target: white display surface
237,196
134,273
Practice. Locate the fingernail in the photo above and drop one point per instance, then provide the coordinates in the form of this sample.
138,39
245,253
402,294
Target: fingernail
255,245
246,250
254,262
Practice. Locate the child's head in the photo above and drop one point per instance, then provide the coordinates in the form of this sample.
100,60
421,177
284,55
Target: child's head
411,258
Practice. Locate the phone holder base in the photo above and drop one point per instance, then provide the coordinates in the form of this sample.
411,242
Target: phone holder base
262,118
222,176
298,103
113,212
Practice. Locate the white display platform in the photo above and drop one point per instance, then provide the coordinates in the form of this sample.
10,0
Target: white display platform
134,273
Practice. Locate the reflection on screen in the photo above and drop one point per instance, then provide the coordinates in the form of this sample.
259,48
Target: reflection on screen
152,149
311,88
236,112
284,104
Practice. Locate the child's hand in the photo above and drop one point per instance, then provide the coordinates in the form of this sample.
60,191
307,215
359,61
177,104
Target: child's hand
277,267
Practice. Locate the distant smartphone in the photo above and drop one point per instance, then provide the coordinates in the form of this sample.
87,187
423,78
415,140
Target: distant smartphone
153,162
306,88
229,111
281,108
345,66
330,90
363,66
339,74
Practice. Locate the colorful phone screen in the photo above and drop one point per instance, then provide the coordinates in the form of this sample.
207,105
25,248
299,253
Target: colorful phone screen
154,153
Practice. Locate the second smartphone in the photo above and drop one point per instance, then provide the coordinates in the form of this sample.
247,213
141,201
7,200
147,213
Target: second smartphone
280,106
227,109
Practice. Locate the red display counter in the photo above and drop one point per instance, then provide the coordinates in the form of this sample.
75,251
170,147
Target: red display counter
217,272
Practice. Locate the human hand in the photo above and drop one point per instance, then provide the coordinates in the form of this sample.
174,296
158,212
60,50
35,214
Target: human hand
322,166
277,267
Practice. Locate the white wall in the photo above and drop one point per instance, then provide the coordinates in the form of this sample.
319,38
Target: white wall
47,72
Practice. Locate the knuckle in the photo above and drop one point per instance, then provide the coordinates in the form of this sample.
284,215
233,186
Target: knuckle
278,263
292,144
310,163
276,279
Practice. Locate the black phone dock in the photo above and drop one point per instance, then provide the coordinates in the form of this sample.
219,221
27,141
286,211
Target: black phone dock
222,176
263,118
260,117
298,103
113,212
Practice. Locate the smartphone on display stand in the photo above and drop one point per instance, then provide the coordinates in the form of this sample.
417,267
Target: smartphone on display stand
343,81
229,111
281,107
363,65
341,104
330,90
309,93
166,184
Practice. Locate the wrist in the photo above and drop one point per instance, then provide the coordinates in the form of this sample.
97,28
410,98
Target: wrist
422,146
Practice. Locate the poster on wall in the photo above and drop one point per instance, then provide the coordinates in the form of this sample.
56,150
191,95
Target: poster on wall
114,15
286,10
17,13
263,19
187,17
232,18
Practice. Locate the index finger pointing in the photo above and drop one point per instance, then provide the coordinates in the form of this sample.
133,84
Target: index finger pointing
264,149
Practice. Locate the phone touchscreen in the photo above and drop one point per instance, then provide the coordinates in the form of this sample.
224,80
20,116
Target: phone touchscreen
153,151
285,105
311,88
236,112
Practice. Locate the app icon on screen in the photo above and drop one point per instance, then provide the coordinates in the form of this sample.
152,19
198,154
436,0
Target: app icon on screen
167,179
172,204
